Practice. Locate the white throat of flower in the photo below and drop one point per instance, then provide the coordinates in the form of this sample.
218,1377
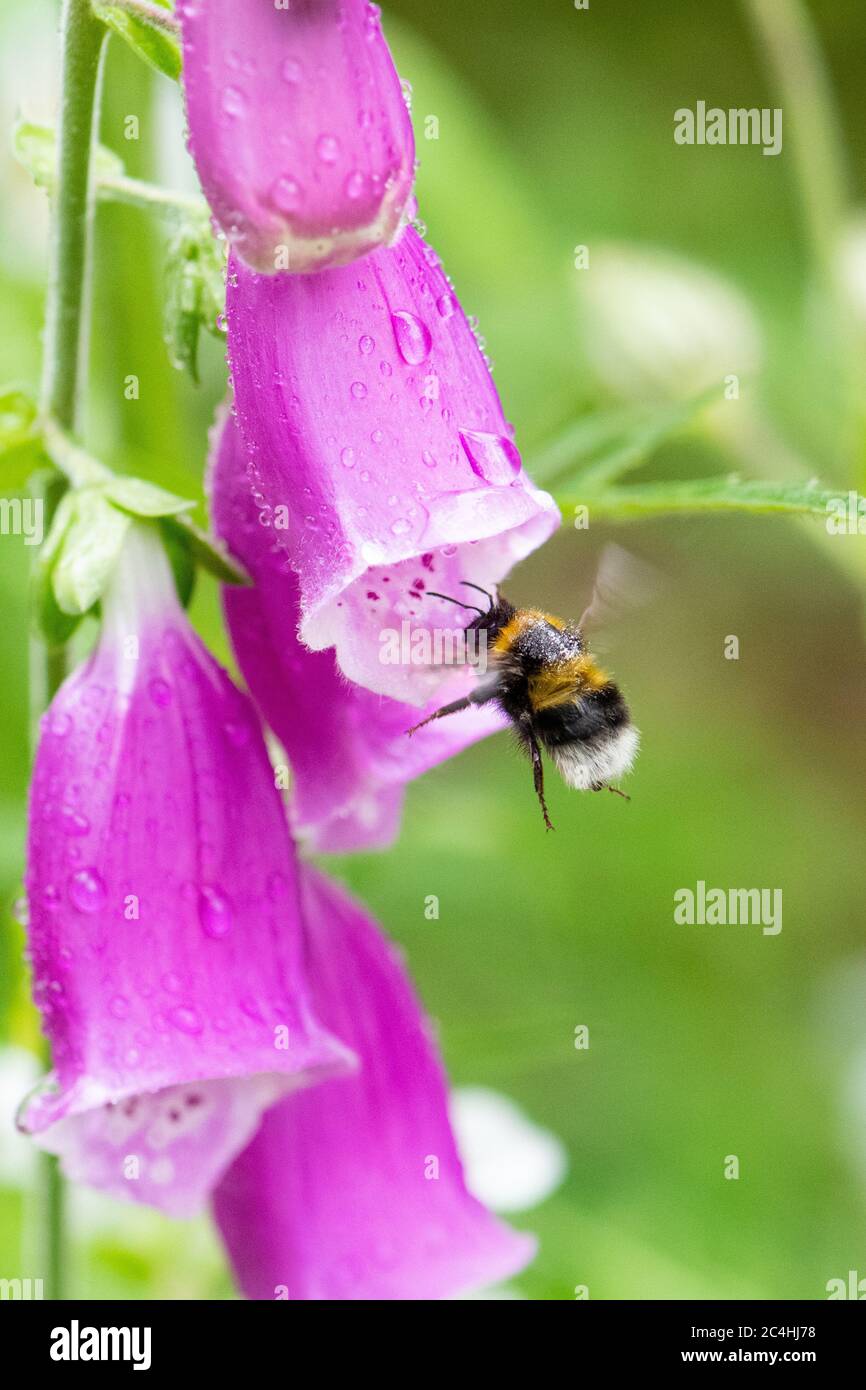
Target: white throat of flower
140,593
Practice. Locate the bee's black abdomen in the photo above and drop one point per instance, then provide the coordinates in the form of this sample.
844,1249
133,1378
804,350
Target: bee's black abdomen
593,715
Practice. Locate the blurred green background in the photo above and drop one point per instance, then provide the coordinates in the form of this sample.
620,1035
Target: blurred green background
556,131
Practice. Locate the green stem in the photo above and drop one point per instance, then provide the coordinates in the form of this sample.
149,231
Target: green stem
65,355
138,193
72,211
786,33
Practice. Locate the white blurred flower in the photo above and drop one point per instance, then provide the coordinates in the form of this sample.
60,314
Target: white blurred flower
853,266
19,1071
659,324
510,1163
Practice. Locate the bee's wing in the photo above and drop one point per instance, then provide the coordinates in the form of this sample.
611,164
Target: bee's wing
623,583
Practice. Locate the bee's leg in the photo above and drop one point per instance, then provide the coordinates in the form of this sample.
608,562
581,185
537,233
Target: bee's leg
537,772
454,708
479,696
624,795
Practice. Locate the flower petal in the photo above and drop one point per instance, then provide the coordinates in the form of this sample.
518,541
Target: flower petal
376,436
298,128
347,746
354,1190
163,897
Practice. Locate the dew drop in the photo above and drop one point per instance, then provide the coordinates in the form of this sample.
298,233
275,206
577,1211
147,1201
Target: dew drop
400,526
234,102
347,457
286,193
119,1006
328,149
72,822
159,691
446,305
185,1019
359,390
354,185
413,337
366,345
237,734
214,912
86,890
491,456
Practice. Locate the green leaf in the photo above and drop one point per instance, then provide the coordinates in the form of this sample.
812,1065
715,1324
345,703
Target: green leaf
703,495
21,448
88,551
195,291
140,498
181,561
55,626
600,447
35,147
206,550
157,47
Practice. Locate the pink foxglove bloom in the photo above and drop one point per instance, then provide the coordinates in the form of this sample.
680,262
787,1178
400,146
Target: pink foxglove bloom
375,433
164,910
354,1189
298,128
347,747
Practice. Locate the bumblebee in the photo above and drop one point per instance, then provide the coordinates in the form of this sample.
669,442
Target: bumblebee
545,680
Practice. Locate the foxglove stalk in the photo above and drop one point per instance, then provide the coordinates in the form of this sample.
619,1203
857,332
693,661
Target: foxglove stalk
354,1189
347,746
375,433
164,911
298,128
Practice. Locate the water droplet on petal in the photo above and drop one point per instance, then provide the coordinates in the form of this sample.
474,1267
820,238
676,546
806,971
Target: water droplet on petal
214,911
354,185
366,344
159,691
234,102
286,193
237,734
413,337
347,457
359,390
86,890
60,724
119,1006
185,1019
72,822
328,149
446,304
491,456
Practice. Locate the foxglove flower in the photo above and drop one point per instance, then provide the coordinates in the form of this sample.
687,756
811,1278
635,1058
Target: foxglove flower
374,432
354,1189
347,747
164,912
298,128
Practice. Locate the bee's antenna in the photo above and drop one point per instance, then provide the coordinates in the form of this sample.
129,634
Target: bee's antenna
488,596
431,593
